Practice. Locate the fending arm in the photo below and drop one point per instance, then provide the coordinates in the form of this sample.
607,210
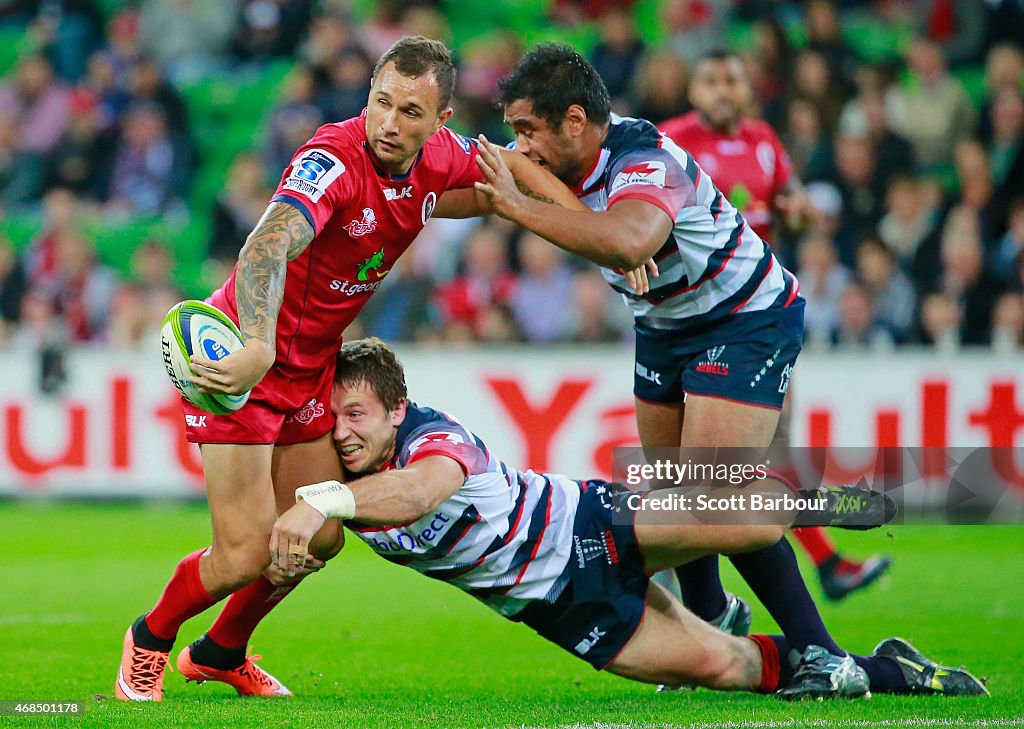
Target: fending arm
531,180
623,237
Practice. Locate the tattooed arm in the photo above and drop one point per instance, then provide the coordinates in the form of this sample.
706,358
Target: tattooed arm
281,235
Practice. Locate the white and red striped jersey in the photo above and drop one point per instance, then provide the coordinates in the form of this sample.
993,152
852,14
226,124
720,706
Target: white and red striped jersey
504,537
713,264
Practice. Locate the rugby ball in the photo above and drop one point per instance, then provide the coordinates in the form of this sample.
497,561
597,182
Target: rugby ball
195,327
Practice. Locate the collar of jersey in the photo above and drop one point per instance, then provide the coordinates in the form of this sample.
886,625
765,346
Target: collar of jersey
381,172
595,174
706,126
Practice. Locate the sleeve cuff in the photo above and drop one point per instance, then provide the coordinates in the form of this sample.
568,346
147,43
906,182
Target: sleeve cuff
468,461
646,198
295,202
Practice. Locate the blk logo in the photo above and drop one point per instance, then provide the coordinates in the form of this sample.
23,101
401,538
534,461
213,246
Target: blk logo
649,375
584,646
391,194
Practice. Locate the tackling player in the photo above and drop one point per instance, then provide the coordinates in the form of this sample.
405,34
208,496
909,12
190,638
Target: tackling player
568,558
716,338
352,200
750,166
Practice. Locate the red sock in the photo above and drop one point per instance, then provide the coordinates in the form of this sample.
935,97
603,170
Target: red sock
788,476
243,612
816,543
183,597
847,566
769,663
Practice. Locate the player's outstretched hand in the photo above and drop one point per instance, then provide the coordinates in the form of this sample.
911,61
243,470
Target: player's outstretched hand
639,278
235,374
498,184
289,539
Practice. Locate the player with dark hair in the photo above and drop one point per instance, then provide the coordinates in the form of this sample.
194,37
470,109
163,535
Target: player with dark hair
352,200
744,155
718,335
568,558
752,169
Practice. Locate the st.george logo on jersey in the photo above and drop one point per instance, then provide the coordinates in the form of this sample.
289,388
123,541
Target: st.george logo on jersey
313,172
373,263
644,173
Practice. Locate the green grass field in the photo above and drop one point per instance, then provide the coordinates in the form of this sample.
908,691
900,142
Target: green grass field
366,643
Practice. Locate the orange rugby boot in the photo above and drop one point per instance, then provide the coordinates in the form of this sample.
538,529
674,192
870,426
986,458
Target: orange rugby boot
248,679
141,677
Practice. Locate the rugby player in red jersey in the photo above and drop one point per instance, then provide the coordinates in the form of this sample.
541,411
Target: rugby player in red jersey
352,200
751,167
743,155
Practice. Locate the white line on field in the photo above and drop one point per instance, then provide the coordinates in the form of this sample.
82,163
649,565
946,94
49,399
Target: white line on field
823,723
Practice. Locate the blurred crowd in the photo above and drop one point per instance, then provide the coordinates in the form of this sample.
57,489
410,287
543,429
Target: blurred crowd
916,186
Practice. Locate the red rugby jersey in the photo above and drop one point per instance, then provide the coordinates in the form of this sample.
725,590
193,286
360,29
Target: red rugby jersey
364,219
750,168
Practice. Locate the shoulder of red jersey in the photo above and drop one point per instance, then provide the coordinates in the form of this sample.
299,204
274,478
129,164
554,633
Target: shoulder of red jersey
354,128
455,155
346,137
446,147
758,129
450,137
683,124
323,160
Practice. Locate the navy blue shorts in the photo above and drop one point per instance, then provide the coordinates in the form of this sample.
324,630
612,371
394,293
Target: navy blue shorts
746,357
603,603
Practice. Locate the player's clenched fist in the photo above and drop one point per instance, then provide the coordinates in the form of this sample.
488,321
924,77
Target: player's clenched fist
280,578
289,539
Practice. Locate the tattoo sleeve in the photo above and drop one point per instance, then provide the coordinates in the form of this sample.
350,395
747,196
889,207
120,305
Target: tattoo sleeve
523,188
281,235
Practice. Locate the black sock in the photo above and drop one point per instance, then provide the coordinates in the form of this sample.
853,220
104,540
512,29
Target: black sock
774,576
785,667
885,676
829,564
702,588
144,638
208,652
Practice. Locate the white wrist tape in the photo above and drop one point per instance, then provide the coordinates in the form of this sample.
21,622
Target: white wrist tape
331,498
